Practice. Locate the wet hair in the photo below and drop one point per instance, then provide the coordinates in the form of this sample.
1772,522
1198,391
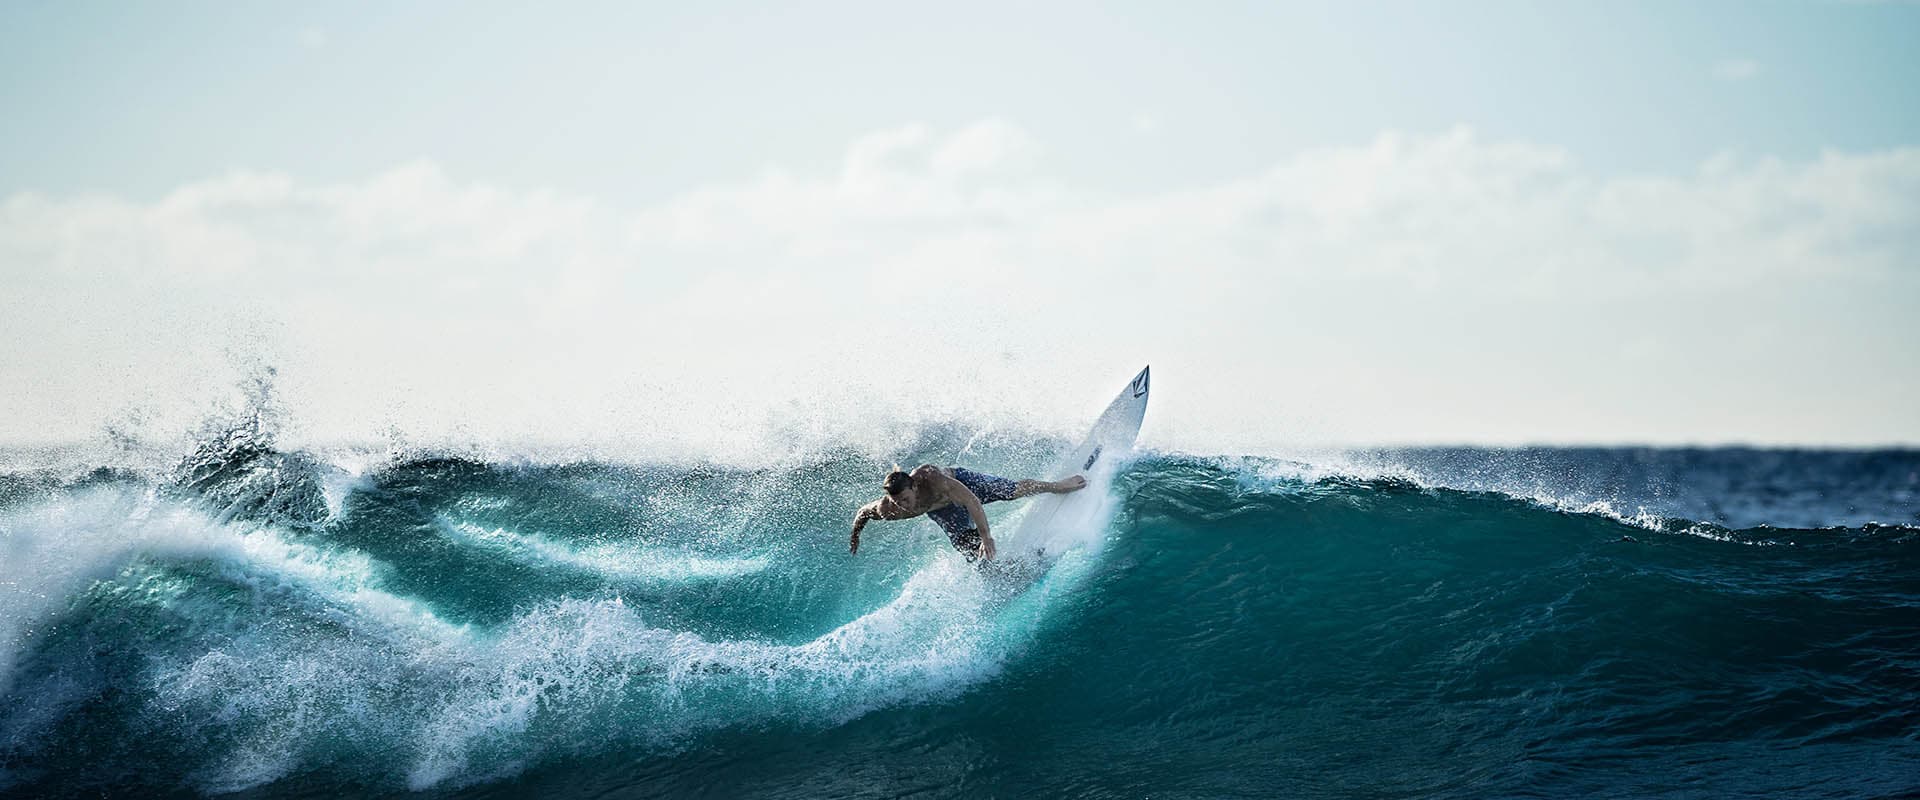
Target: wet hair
897,481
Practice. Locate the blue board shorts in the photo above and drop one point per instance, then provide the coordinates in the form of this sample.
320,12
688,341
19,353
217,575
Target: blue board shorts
955,520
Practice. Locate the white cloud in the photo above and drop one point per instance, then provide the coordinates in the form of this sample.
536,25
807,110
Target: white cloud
1415,288
983,146
1735,69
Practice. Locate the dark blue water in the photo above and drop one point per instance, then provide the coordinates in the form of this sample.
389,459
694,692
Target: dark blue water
1416,623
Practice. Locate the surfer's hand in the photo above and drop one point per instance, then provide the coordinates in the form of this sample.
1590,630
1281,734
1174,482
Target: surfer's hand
1074,484
854,545
986,547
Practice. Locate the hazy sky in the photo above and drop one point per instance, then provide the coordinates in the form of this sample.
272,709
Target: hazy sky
708,223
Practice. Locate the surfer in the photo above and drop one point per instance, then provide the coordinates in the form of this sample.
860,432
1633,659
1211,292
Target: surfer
953,497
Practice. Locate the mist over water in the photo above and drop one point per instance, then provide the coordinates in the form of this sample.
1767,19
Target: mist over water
249,617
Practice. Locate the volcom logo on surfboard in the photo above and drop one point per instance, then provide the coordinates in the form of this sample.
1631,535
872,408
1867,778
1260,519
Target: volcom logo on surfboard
1094,456
1140,385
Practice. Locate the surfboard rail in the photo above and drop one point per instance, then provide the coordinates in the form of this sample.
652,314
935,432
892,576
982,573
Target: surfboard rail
1055,522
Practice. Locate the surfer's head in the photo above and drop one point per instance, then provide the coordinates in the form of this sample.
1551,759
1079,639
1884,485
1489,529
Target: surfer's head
897,481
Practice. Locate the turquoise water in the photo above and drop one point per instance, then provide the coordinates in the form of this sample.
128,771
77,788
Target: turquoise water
1458,623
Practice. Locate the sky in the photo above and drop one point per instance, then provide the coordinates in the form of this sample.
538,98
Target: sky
703,225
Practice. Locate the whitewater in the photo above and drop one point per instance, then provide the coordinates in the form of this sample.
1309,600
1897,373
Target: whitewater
269,621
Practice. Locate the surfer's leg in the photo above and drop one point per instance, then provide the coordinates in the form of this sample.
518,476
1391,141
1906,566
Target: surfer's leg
989,488
1030,486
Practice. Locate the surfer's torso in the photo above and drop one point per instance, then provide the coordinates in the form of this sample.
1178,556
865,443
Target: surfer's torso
941,505
952,516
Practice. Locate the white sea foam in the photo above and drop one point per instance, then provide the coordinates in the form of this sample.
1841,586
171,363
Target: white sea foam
51,549
54,549
329,666
460,709
582,660
611,560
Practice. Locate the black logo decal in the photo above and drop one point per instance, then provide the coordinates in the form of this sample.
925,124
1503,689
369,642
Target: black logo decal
1095,456
1140,385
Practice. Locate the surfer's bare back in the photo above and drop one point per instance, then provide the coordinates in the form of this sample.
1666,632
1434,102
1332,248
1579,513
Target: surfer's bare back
952,496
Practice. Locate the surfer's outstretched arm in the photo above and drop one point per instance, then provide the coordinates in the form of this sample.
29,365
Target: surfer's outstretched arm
870,511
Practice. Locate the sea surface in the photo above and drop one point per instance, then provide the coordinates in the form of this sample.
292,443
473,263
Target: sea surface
256,621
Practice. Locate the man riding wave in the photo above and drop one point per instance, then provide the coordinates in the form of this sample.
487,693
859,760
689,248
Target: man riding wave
952,497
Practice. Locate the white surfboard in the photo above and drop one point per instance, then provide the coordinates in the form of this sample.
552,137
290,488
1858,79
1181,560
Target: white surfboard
1056,522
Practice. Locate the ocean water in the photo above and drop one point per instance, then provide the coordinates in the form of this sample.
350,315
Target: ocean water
259,622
